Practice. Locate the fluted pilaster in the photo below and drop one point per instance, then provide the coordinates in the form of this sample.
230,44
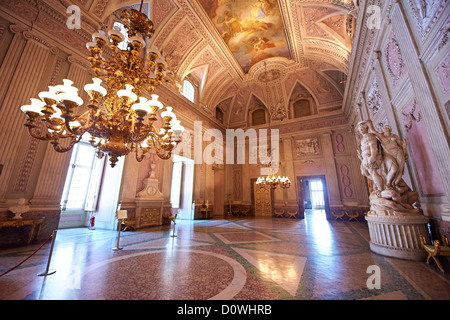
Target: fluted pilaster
23,85
54,166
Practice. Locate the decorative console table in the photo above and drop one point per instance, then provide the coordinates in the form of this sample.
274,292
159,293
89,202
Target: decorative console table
17,223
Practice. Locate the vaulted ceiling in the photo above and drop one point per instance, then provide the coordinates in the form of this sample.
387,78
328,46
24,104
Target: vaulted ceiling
239,50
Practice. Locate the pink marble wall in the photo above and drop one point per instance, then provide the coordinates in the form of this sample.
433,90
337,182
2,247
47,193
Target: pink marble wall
421,154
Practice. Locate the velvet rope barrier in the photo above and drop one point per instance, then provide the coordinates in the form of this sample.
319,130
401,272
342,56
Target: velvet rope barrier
1,275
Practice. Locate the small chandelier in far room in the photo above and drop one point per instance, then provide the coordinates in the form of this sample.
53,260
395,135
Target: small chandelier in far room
273,181
118,118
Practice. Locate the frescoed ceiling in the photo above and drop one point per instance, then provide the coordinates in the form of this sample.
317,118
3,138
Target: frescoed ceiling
239,50
252,29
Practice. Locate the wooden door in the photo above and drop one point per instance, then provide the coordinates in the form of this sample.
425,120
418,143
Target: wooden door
263,201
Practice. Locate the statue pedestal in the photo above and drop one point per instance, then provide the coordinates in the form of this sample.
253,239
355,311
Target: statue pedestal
398,236
150,205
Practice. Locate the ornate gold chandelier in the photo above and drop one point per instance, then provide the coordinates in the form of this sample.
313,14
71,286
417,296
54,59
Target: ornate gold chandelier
273,181
118,118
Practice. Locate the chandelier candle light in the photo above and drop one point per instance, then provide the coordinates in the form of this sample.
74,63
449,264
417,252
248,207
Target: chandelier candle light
273,181
118,118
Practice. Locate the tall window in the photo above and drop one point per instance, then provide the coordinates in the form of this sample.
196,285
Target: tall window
189,90
83,179
175,192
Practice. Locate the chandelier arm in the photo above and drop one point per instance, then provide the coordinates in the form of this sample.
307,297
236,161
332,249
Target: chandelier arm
150,65
60,149
143,131
164,156
113,118
35,135
57,128
140,157
79,130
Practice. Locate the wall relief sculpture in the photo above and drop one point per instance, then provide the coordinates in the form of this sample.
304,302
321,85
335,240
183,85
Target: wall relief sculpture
383,156
309,146
394,60
374,102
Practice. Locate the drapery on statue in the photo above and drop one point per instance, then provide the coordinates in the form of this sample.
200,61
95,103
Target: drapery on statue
383,156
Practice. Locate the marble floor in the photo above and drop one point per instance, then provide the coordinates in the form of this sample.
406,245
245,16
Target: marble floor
226,259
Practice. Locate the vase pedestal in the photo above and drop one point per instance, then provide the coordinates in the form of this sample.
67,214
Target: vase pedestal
398,236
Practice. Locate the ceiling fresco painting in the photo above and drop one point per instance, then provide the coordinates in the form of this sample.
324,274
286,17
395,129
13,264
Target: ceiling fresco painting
252,29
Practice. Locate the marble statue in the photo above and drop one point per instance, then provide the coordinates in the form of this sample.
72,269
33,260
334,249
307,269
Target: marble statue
383,156
19,209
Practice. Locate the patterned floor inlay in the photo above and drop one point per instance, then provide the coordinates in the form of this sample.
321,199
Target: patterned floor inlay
225,259
244,237
285,270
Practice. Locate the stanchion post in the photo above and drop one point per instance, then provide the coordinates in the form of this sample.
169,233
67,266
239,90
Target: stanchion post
173,231
47,271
